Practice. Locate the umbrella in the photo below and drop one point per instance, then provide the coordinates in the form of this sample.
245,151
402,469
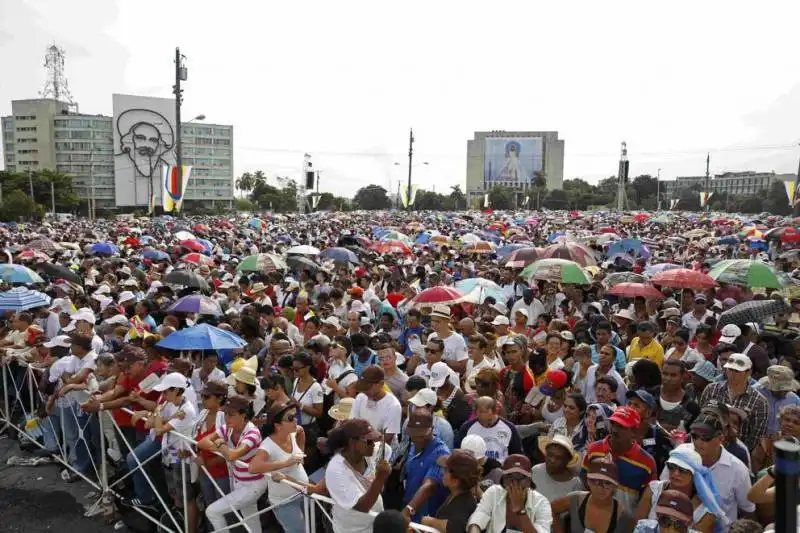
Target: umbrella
28,255
683,278
396,236
478,247
262,263
695,234
44,245
752,311
202,337
558,270
155,255
59,272
299,263
626,246
506,250
438,295
19,274
22,299
622,277
342,255
652,270
104,248
728,239
572,251
197,303
469,237
184,236
476,290
186,279
522,257
745,272
197,259
303,250
192,245
391,247
632,290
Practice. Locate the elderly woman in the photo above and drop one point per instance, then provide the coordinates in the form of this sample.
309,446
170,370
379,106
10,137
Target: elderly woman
687,475
595,510
572,424
514,504
461,475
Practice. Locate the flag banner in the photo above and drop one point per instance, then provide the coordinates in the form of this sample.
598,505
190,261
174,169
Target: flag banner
705,197
151,202
404,195
315,200
173,191
413,195
673,203
791,190
527,199
485,200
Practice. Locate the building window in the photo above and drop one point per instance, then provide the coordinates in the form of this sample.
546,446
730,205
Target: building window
29,128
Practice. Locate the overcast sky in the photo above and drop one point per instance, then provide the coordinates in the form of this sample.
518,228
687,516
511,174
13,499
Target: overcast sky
345,80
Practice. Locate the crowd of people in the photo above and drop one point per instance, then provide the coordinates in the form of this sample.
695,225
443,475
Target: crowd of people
470,372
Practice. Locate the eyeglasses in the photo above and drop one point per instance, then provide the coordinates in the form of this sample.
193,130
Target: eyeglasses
673,467
431,350
602,483
703,438
670,522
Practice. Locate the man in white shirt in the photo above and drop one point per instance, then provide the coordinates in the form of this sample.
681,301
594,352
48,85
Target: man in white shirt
529,302
381,409
455,349
605,367
697,315
48,321
77,384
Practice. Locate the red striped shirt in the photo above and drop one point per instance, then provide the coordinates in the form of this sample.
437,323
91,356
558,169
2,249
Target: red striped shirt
251,438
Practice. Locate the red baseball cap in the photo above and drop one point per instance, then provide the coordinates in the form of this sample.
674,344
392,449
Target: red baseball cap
626,417
554,380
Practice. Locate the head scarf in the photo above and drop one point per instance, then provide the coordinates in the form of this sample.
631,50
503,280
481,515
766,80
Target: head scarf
706,488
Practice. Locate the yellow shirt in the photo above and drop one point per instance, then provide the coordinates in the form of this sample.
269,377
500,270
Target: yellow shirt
653,351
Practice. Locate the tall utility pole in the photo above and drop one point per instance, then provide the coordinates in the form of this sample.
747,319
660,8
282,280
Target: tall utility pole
708,179
91,180
410,158
30,184
795,203
53,196
658,190
180,75
622,176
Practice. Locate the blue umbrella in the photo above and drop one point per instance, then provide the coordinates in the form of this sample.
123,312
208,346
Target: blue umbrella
556,235
105,248
22,299
155,255
197,303
626,246
422,238
202,337
508,248
343,255
728,239
19,274
207,244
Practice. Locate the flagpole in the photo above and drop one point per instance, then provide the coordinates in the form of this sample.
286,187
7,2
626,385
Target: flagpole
795,203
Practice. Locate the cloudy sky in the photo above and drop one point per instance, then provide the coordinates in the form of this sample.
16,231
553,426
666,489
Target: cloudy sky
345,80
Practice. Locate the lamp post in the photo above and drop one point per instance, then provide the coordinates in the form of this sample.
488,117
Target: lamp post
410,166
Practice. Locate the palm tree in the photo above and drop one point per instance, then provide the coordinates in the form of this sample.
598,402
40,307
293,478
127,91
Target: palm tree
457,196
539,182
245,183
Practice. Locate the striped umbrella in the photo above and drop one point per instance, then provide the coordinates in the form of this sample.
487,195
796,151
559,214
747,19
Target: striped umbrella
22,299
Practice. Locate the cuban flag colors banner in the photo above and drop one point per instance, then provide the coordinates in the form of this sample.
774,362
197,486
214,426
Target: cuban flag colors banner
174,189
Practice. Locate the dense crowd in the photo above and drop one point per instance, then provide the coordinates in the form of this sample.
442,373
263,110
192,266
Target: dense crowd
498,372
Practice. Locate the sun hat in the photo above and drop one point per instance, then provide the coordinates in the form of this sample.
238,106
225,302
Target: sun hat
730,333
500,308
779,379
174,380
563,441
627,314
740,362
246,373
441,311
257,287
688,459
342,410
475,445
706,370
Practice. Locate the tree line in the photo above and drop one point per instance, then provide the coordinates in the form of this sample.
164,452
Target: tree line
16,202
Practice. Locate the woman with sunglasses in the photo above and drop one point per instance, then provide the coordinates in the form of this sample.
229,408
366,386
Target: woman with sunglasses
688,476
353,480
237,441
210,418
596,510
308,397
281,454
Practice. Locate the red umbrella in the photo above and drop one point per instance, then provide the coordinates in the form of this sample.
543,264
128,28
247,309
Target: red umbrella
132,242
607,229
200,228
569,250
391,247
197,259
790,235
632,290
683,278
192,245
437,295
641,217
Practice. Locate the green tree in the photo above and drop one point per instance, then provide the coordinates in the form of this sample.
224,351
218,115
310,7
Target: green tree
645,187
539,185
430,201
556,199
373,197
458,200
688,200
501,197
45,183
776,201
245,183
752,204
18,205
243,204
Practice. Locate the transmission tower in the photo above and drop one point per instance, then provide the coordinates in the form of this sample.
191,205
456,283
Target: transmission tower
56,86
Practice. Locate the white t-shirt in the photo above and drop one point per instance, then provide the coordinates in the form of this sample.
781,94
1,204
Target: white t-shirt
336,369
346,487
455,349
281,491
197,383
425,372
385,414
313,395
472,370
170,444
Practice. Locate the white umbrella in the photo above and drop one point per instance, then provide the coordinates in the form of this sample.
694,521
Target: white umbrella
303,249
184,236
469,238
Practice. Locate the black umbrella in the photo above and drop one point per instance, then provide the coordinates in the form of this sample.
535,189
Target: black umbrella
299,262
752,311
186,279
59,272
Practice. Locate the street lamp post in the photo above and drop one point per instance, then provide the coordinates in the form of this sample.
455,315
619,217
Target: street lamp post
410,166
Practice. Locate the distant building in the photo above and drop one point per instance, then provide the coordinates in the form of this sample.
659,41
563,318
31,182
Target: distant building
512,159
747,183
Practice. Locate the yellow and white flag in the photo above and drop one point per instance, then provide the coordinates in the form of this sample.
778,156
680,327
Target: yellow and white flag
791,190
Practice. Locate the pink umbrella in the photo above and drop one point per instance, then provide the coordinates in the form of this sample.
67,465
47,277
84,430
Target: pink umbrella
632,290
683,278
438,295
522,258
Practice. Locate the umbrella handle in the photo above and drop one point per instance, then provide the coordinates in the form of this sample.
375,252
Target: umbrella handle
10,259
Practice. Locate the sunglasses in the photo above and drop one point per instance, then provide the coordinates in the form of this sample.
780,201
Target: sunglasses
673,467
703,438
518,478
602,483
669,521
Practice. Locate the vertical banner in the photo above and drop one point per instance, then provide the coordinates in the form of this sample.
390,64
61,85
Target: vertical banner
791,190
151,203
404,195
705,197
413,195
173,191
527,199
673,203
485,200
315,200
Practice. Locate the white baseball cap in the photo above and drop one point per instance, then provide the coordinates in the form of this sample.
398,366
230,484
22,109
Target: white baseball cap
730,333
439,374
63,341
739,361
172,380
126,296
500,320
475,445
84,313
423,397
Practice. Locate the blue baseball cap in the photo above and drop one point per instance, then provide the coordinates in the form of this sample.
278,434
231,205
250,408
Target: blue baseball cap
643,395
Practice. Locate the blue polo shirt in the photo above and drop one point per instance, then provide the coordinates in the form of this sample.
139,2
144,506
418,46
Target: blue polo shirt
402,340
422,465
619,362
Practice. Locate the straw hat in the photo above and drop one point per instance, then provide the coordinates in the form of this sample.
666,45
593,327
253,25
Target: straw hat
342,410
246,373
563,441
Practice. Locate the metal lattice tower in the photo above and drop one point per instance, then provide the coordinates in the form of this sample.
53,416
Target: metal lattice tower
56,86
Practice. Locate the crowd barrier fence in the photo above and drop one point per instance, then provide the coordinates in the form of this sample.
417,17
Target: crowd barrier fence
21,406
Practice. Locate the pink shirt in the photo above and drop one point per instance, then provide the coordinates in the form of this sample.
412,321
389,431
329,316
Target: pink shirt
251,438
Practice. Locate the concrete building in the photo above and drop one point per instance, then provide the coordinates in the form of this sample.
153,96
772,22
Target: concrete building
106,159
511,158
747,183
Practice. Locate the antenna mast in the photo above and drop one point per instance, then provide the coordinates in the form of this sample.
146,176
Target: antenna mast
56,86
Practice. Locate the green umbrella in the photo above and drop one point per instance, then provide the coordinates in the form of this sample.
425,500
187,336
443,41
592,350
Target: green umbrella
262,263
558,270
746,272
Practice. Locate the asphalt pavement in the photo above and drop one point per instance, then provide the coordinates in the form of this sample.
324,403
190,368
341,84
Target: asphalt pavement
35,499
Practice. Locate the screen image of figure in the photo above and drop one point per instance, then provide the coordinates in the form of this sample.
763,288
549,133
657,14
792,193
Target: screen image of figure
512,159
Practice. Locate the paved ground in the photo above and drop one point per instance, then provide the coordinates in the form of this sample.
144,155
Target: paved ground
36,500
